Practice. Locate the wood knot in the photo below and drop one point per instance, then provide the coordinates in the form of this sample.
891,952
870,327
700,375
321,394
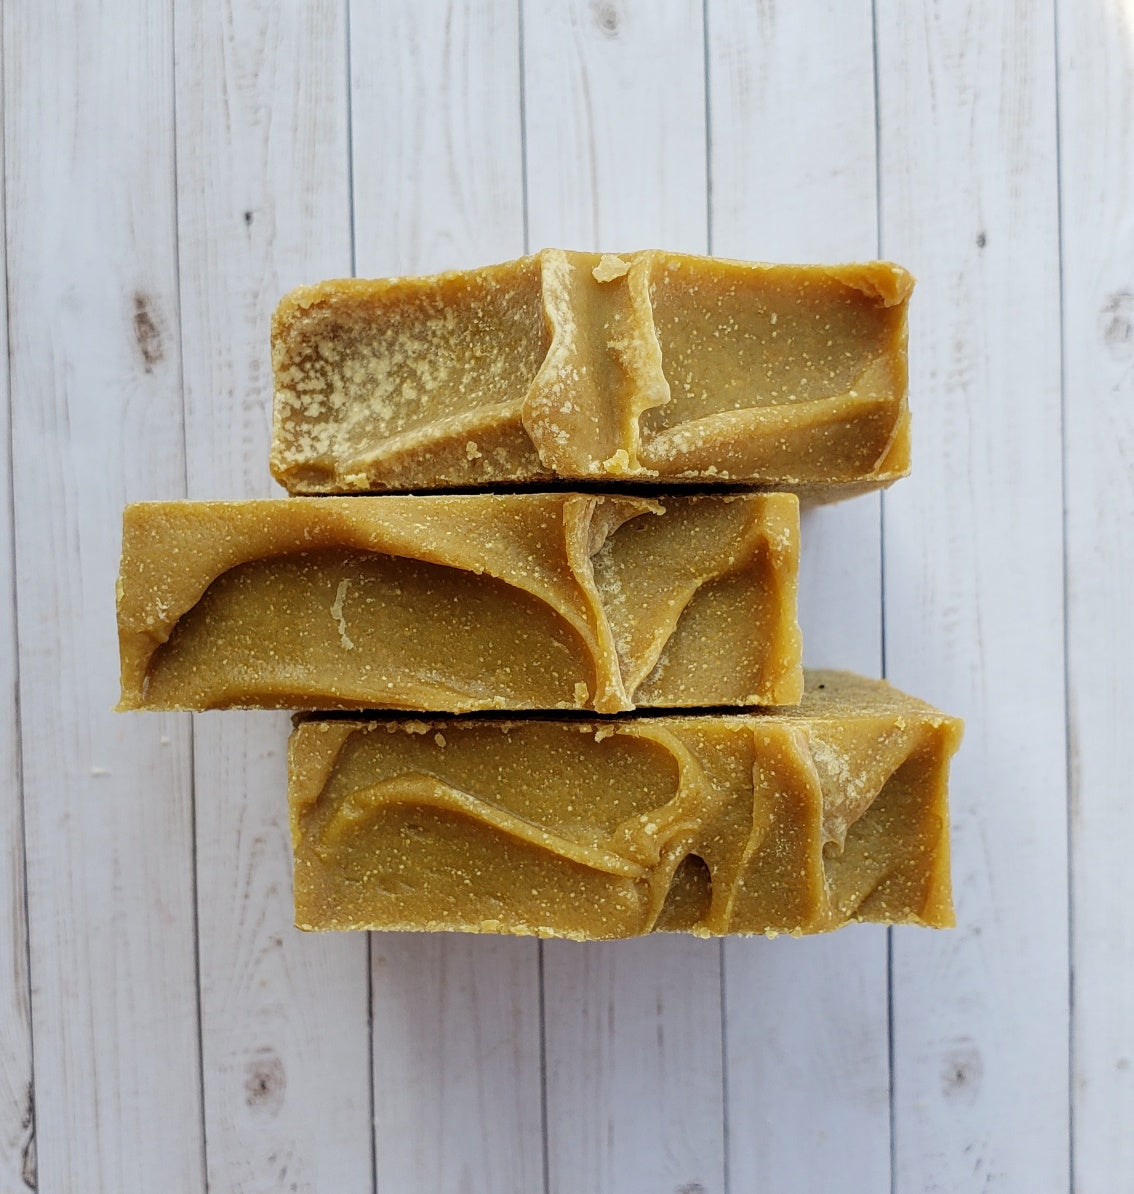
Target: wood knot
147,334
1117,320
265,1082
606,17
28,1168
962,1071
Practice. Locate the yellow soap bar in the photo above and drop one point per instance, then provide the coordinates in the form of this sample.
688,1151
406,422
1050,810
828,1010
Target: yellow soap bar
779,821
461,603
578,367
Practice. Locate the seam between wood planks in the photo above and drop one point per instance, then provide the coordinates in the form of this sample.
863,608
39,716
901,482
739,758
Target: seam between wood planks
726,1169
192,736
348,68
28,1160
1069,776
882,591
545,1143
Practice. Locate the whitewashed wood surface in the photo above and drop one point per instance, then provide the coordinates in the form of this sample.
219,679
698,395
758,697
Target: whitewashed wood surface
169,171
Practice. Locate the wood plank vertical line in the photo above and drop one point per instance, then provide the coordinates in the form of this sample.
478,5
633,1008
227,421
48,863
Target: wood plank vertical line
523,96
95,371
347,8
615,109
794,169
349,66
96,420
438,184
17,1053
540,956
722,954
974,581
191,733
263,207
1095,106
709,246
880,249
1067,726
543,1127
726,1125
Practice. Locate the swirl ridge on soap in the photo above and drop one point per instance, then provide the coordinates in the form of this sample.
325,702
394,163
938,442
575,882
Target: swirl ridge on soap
459,603
794,820
647,366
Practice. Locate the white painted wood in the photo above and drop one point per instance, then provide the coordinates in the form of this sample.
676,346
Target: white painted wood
615,124
634,1079
96,420
456,1063
438,184
1096,93
974,587
263,205
616,155
17,1146
780,196
437,153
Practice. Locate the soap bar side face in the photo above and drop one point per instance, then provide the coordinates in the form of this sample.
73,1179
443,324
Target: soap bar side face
529,601
720,577
794,372
766,822
433,370
575,366
894,861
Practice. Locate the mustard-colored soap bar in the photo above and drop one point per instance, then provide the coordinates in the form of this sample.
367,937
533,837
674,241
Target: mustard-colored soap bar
460,603
779,821
575,367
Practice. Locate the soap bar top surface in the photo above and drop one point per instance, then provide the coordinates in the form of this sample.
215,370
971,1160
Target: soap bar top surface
789,820
581,367
461,603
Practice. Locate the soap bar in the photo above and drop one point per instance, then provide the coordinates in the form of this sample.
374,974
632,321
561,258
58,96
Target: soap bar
779,821
458,603
579,367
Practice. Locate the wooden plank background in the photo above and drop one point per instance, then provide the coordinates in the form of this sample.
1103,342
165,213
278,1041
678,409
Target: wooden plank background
168,172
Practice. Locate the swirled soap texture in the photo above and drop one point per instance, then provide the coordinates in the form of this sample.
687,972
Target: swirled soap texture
649,366
461,603
795,820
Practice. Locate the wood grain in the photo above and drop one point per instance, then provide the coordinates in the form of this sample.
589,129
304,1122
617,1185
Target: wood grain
220,140
437,139
438,184
263,205
615,121
777,195
617,160
1096,107
456,1063
974,585
96,420
17,1105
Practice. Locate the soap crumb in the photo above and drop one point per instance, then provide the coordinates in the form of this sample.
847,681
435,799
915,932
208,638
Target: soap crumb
472,451
610,266
581,693
337,613
619,463
439,738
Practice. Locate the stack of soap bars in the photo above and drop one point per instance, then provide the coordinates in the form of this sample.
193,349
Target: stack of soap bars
537,602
